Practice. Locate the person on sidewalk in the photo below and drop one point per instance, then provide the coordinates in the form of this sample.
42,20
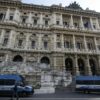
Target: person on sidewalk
15,91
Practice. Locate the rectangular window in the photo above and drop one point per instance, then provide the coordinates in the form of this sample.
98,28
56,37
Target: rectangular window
90,46
57,23
58,45
5,42
98,47
46,22
35,22
45,44
20,43
11,17
1,16
67,44
24,20
33,44
79,45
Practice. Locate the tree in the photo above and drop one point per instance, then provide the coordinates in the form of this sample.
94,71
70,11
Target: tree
74,5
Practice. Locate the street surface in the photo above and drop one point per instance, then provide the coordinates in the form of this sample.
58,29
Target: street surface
60,95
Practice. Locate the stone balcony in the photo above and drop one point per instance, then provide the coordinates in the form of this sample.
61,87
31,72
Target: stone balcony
28,25
48,50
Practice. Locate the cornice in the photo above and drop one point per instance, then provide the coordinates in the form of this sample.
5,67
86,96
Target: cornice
31,7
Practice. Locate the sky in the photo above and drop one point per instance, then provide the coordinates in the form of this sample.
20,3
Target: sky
91,4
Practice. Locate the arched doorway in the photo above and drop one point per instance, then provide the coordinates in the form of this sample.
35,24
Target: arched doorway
81,66
45,60
69,65
93,66
18,58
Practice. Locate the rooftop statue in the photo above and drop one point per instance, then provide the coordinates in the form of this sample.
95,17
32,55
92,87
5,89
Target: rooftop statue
74,5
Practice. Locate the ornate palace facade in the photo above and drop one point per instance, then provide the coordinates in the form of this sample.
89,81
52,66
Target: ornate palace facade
58,36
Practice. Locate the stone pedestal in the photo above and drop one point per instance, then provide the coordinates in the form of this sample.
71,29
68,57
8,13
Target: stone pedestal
47,84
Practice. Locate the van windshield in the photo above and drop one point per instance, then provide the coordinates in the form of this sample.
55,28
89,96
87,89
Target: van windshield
7,82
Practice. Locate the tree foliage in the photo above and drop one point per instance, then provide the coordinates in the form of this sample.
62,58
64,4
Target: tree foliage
74,5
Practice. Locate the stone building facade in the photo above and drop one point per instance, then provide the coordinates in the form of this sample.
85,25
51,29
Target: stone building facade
58,36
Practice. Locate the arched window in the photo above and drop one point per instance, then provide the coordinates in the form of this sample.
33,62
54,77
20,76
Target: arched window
45,60
69,65
18,58
81,66
93,66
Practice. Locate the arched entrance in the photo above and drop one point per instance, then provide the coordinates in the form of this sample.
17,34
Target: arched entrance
45,60
81,66
18,58
69,65
93,66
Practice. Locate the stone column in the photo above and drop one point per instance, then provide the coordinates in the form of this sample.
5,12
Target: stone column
2,36
7,14
88,68
85,44
95,42
74,44
81,23
53,19
97,24
62,41
71,22
11,39
41,20
27,41
30,22
91,23
76,67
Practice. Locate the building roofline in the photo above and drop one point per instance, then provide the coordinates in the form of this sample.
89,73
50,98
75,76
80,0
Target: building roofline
52,8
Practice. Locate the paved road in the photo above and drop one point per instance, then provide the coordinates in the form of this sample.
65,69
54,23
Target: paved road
60,95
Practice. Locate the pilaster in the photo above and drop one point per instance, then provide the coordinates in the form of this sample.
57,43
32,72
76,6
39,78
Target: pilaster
91,23
53,19
76,67
11,38
27,41
71,22
74,43
16,15
61,20
88,67
95,42
30,22
41,20
39,42
7,14
54,42
97,24
85,43
81,23
62,41
2,36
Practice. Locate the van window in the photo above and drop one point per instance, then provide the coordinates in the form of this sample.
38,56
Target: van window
7,82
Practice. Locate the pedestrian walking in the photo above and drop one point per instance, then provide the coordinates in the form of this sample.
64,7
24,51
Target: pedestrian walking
15,91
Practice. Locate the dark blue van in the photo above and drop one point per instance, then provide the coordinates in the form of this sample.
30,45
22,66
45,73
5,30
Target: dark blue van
7,83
